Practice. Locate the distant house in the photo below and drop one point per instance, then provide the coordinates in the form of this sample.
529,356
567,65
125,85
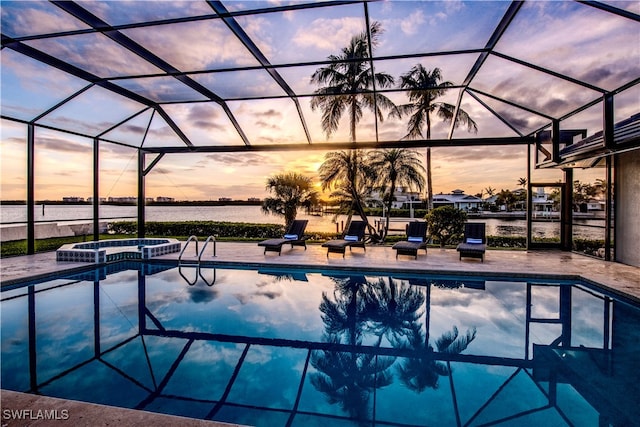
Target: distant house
458,200
73,199
402,199
128,199
224,199
253,199
542,202
595,205
165,199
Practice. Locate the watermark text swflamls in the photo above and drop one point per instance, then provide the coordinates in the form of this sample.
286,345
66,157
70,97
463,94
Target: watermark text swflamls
33,414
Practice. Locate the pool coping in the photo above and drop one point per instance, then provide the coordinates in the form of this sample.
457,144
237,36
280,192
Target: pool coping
619,279
38,410
610,277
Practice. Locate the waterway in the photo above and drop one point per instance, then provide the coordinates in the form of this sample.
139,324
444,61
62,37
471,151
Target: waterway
14,215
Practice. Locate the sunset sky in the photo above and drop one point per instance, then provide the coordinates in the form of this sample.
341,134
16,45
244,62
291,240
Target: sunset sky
582,42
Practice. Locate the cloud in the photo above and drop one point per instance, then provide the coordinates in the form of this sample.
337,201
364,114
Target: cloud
194,45
412,23
270,113
96,54
236,159
14,140
32,20
328,34
265,125
64,145
474,154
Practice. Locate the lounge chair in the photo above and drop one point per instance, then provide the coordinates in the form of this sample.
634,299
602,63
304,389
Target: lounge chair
416,240
294,237
353,237
474,243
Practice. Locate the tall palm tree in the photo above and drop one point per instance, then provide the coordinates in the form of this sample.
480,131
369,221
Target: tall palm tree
349,81
424,87
291,191
348,173
394,167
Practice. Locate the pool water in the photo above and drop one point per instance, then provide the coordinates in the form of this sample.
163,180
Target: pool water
319,347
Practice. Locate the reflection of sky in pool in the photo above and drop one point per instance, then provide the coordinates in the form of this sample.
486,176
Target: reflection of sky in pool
280,348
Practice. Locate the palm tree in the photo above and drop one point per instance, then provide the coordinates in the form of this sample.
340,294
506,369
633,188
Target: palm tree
522,182
424,88
349,81
291,191
600,186
348,174
506,198
396,167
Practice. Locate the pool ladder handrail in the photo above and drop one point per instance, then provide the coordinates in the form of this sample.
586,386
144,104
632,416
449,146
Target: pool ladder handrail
210,238
184,248
197,264
209,283
199,274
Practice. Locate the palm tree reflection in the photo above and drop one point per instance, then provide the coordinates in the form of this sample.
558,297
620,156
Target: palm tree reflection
392,309
348,378
419,373
382,308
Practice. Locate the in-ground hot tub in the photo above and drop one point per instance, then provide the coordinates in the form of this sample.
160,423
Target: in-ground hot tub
103,251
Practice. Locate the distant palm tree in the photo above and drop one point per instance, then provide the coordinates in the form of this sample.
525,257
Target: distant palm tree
600,186
506,198
424,87
348,174
522,182
490,191
349,81
394,167
291,191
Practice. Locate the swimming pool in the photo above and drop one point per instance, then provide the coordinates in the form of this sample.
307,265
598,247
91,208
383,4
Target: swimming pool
305,347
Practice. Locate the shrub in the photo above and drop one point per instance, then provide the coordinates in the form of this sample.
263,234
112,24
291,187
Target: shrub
588,246
201,229
510,242
446,224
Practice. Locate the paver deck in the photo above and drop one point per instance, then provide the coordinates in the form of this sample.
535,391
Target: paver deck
618,278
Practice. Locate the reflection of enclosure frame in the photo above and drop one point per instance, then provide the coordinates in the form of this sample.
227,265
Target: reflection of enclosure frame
526,365
565,217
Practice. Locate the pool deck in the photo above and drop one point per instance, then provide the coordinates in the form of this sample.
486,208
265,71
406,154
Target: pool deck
618,278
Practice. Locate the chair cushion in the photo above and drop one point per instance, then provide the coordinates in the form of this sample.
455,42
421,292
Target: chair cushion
351,238
291,236
414,239
474,241
471,247
407,245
